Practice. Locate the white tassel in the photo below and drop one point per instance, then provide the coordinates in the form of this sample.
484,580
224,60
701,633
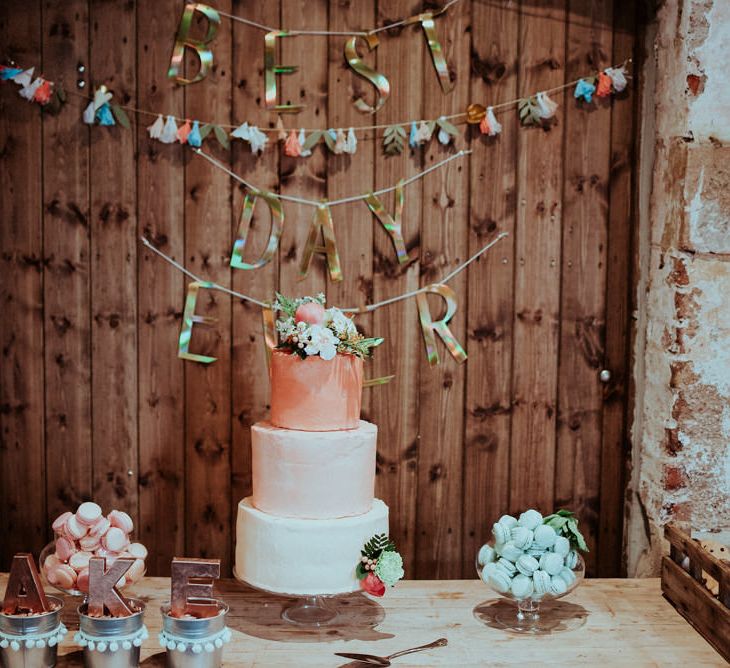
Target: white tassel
242,132
169,132
29,91
423,134
89,114
351,143
24,78
495,127
257,139
443,137
154,130
546,106
101,96
618,77
306,152
340,142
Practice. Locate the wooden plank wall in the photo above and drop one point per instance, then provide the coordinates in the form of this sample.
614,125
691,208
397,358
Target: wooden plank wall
94,402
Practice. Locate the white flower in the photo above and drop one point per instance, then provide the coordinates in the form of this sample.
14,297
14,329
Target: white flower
322,341
343,326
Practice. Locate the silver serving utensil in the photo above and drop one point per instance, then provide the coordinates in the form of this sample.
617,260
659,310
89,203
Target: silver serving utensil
374,660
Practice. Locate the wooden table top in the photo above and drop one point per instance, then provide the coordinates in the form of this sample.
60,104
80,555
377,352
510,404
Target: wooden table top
612,623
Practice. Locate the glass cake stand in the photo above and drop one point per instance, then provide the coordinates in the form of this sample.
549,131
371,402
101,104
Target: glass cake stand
311,610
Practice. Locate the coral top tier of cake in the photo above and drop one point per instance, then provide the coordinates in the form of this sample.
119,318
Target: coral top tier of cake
317,367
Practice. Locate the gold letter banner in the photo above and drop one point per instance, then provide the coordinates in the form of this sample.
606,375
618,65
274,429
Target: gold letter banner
322,220
277,224
190,319
182,40
271,69
440,326
437,54
392,224
380,81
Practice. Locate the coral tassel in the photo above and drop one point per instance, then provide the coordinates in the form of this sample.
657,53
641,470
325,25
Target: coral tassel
604,85
184,132
484,126
43,93
292,147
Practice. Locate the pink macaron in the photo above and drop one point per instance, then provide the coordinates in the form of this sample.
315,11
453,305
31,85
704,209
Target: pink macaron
89,543
115,540
80,560
62,576
51,562
59,524
65,549
74,529
100,527
137,550
88,513
82,582
121,520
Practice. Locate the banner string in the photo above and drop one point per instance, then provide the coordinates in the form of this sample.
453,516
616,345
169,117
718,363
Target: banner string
367,308
459,117
335,33
334,202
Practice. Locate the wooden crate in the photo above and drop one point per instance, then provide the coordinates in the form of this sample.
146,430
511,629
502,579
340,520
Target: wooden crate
689,575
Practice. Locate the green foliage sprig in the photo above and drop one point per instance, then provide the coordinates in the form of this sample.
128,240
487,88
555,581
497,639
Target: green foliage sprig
565,524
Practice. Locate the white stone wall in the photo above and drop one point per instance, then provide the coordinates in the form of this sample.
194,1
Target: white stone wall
681,430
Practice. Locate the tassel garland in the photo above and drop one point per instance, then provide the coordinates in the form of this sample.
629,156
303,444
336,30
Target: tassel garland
424,132
305,152
257,139
292,147
603,89
9,73
489,125
413,136
28,92
155,130
351,143
183,132
280,127
194,138
104,115
169,132
340,142
24,78
546,106
584,90
618,77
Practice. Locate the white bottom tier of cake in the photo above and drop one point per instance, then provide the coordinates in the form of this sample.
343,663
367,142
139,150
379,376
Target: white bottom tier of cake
302,556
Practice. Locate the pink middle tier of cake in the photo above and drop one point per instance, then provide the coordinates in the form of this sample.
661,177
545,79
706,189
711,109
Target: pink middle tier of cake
310,475
313,394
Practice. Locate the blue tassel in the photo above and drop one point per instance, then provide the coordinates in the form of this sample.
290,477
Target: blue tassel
194,136
584,90
104,115
7,73
413,136
333,134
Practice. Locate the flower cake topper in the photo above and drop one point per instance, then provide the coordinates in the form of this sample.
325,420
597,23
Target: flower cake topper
380,565
308,329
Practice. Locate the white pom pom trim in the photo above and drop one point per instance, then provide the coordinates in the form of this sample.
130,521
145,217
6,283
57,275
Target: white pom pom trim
111,644
31,641
196,646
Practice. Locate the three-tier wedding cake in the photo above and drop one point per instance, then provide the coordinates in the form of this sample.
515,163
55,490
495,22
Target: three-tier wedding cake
312,509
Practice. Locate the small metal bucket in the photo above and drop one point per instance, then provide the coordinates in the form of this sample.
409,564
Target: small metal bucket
191,630
112,629
30,625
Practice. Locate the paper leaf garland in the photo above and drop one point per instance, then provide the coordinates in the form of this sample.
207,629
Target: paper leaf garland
310,141
447,131
529,111
121,116
205,130
221,136
394,139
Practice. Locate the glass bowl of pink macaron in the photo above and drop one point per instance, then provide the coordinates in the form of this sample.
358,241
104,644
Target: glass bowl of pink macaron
87,533
531,560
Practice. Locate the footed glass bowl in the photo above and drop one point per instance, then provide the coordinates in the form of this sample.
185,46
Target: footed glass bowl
50,550
526,616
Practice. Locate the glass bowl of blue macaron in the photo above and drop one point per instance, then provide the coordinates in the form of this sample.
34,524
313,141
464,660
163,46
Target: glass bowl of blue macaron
532,559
